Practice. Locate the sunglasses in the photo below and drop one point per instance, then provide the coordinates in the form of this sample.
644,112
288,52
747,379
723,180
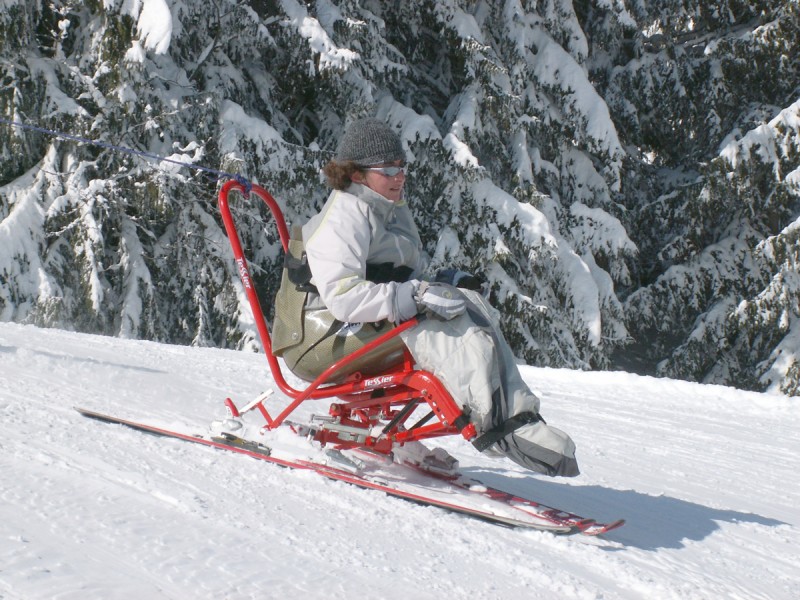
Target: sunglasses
387,171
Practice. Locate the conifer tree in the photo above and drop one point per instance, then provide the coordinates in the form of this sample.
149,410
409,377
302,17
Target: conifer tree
623,173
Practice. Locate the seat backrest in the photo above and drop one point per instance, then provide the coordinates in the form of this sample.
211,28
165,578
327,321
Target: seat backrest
287,326
308,337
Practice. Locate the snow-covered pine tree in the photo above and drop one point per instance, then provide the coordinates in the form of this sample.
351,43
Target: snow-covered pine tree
131,248
498,189
574,152
99,240
741,287
711,189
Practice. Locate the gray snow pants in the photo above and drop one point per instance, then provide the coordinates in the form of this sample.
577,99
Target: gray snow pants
476,365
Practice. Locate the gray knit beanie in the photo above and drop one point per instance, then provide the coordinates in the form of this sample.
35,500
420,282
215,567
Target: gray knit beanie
370,142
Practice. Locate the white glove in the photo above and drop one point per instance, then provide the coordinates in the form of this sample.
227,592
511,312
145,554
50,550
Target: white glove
440,300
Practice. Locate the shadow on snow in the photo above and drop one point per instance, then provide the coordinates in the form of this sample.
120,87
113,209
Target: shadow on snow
652,522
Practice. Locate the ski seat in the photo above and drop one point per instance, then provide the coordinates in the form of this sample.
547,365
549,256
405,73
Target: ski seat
377,411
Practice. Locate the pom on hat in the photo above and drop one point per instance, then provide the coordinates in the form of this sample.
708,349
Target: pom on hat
370,142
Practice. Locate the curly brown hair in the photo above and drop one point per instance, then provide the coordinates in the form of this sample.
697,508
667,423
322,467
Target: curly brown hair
340,174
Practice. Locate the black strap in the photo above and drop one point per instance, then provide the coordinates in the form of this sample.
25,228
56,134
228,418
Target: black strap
299,272
497,433
386,272
297,268
401,415
422,421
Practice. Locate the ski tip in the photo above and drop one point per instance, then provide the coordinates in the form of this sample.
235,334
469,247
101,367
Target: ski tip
614,525
92,414
600,528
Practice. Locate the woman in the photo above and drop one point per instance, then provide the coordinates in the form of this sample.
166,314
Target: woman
366,264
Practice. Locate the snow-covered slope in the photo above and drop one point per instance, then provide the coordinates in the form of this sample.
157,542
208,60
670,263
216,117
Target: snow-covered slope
705,475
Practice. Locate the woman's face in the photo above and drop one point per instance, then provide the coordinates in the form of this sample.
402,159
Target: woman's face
388,186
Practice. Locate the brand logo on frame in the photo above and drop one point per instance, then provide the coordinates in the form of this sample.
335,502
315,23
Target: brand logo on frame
243,274
378,380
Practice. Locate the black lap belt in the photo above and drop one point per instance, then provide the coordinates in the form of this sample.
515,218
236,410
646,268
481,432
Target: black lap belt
299,272
508,426
386,272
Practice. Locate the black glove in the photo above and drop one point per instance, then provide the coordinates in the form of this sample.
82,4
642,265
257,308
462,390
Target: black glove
461,279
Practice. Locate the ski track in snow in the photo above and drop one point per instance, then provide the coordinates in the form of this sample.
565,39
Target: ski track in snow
706,477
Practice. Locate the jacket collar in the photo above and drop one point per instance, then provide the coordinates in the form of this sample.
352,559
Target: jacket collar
380,203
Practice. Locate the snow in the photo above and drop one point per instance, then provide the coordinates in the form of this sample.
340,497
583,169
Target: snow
465,118
769,141
533,223
555,67
18,238
464,24
57,101
238,126
583,293
330,56
785,356
602,234
154,25
137,278
704,474
135,54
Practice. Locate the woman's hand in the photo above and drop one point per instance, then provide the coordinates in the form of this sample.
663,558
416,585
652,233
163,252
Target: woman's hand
440,300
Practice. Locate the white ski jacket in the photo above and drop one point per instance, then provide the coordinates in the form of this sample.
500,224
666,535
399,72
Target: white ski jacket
355,229
358,229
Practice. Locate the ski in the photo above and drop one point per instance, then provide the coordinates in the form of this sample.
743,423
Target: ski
556,515
472,485
474,500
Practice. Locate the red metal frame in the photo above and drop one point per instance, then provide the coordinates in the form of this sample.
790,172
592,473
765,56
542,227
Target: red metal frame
371,412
